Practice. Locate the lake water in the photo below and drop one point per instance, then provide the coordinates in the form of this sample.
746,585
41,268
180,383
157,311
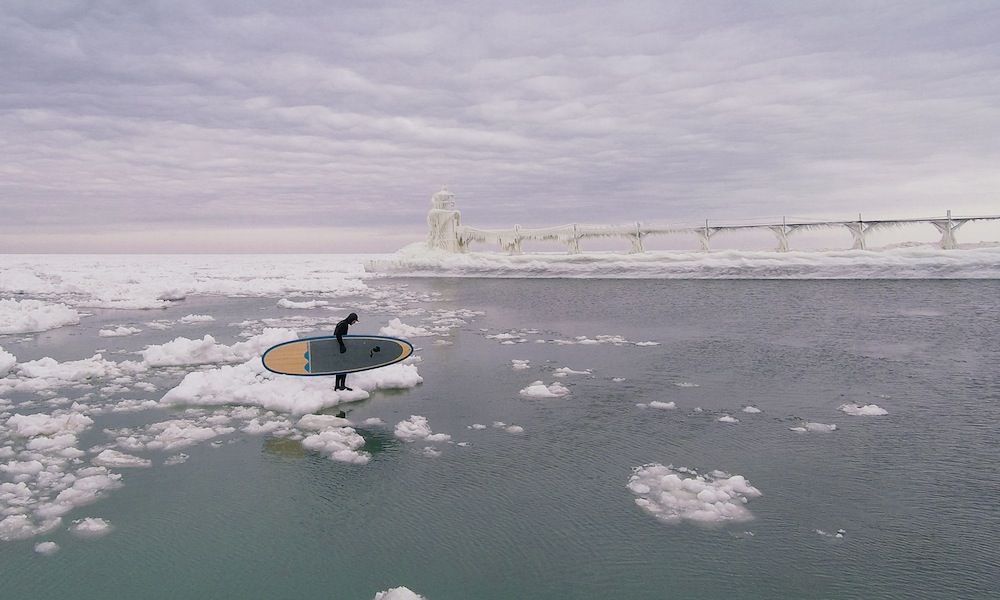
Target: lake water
756,378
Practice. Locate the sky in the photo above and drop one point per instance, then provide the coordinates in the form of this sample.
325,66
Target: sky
326,126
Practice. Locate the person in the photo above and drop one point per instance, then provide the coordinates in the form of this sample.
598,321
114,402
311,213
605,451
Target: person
340,331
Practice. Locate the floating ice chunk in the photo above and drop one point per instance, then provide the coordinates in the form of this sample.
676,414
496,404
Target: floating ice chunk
121,331
17,527
728,419
398,329
318,422
251,384
32,316
184,351
820,427
90,527
563,371
519,365
46,548
340,443
7,361
371,421
839,535
686,384
868,410
514,429
538,389
55,373
286,303
188,319
477,426
176,459
674,495
116,460
663,405
399,593
647,343
417,428
753,410
431,451
43,424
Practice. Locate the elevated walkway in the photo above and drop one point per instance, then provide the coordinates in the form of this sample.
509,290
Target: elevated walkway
446,231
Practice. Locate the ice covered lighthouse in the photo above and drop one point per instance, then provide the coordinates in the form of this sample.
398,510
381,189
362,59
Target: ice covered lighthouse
443,222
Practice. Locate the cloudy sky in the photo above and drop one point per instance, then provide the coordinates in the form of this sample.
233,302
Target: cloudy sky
327,125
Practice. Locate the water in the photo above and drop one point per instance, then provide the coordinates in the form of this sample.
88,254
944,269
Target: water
547,513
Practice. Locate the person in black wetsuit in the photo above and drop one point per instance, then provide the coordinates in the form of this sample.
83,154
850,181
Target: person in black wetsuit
340,331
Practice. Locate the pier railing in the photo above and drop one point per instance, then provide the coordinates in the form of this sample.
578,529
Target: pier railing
510,240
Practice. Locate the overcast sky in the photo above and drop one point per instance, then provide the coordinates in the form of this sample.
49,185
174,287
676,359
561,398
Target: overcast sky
327,125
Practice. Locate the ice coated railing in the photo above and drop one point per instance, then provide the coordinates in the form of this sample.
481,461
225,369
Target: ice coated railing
446,232
510,240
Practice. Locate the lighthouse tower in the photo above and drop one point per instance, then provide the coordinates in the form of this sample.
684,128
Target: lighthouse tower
443,222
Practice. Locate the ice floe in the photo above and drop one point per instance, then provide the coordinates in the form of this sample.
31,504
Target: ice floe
538,389
250,384
817,427
184,351
867,410
681,494
33,316
396,328
90,527
398,593
417,428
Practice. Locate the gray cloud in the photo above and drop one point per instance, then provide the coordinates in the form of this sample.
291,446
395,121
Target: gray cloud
348,116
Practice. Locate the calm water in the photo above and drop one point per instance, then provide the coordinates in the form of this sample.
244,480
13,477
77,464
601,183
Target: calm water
547,513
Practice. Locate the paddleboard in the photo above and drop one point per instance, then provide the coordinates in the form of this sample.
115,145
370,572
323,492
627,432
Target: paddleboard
322,355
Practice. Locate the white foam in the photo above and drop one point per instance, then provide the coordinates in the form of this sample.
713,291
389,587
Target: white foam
33,316
538,389
674,495
868,410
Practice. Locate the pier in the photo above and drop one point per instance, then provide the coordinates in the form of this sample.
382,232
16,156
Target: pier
446,232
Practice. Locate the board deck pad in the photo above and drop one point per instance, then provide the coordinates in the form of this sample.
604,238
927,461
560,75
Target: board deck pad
322,356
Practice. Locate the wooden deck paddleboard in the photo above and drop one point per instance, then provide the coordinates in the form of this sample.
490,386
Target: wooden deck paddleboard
322,355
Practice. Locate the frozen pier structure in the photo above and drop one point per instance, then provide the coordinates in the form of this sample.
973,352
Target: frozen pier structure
446,231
